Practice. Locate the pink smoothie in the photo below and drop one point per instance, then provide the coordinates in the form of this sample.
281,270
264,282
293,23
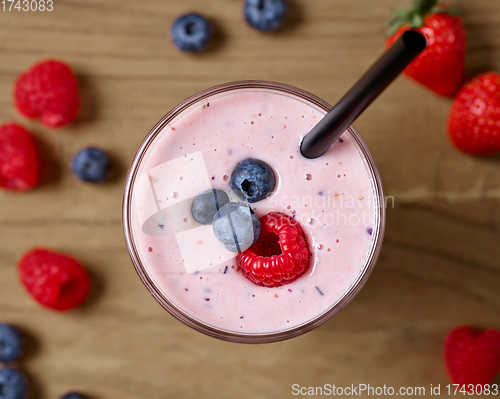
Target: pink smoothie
333,198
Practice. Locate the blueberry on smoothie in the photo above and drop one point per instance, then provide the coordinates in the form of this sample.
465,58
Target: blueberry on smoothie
191,32
11,343
13,384
265,15
253,180
91,165
235,227
206,205
72,395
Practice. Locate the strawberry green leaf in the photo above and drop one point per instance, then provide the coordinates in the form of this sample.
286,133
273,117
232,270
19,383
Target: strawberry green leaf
414,17
417,21
403,13
392,29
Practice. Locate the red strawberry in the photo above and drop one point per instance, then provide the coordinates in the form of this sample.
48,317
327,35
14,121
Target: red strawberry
56,281
280,255
441,66
474,120
472,356
19,161
49,90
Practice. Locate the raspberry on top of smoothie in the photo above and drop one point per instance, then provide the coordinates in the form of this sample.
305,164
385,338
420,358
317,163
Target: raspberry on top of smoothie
280,256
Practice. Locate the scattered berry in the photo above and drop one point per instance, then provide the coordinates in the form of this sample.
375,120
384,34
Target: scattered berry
72,395
207,204
265,15
19,160
441,66
91,165
253,180
474,120
49,90
191,32
56,281
235,226
281,254
472,356
13,384
11,343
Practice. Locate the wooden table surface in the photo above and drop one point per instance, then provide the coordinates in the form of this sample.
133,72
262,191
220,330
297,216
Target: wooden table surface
439,266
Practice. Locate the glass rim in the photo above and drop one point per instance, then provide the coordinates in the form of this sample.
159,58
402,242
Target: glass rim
205,328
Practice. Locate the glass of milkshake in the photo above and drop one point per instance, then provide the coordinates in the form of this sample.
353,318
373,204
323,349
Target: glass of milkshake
336,200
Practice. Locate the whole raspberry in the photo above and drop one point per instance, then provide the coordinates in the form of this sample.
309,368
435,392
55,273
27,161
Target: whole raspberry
281,254
49,90
19,160
472,356
56,281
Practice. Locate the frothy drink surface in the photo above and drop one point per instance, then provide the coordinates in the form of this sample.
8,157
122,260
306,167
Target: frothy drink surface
332,197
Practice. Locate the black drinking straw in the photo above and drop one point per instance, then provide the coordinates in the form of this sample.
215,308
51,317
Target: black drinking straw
361,95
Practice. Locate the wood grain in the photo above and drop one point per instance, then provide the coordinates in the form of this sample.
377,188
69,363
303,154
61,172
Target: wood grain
439,266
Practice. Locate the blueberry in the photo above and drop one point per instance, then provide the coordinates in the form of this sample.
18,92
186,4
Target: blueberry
191,32
91,165
253,180
72,395
206,205
265,15
235,227
11,343
13,384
